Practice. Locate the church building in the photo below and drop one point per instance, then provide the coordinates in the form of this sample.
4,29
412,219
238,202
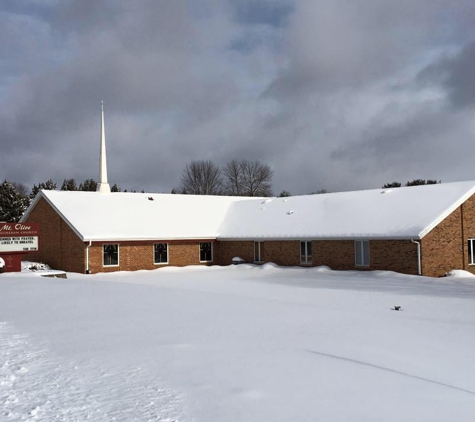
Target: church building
427,230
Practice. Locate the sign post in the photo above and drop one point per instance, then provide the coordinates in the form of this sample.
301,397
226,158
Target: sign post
17,239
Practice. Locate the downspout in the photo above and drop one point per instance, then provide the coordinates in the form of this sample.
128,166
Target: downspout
463,236
419,265
87,257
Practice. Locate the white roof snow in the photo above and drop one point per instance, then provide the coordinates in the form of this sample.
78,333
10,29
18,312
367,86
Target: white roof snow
139,216
398,213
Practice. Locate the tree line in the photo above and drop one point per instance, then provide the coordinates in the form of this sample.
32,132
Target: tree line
236,178
15,198
415,182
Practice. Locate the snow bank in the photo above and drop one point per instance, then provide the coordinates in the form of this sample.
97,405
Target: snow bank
236,344
460,274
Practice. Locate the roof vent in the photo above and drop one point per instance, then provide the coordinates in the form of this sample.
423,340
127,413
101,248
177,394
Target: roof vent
290,212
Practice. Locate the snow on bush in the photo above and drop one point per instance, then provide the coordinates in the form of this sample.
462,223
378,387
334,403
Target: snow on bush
34,266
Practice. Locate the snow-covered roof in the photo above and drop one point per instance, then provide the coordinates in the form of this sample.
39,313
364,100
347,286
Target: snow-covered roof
138,216
398,213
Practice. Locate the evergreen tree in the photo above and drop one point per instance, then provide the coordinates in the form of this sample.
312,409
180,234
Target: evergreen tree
69,184
420,182
21,188
115,188
12,204
48,185
284,194
392,185
88,185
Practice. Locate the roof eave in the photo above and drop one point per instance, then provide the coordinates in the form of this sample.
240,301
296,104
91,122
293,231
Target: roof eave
315,238
40,195
447,212
145,239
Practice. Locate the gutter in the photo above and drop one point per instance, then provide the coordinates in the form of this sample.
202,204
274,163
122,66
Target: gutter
419,264
88,271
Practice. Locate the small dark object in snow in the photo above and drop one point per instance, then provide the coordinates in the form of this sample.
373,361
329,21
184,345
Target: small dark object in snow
396,308
150,198
237,260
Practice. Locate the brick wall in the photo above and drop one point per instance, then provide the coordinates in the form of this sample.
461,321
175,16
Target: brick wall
468,212
387,255
140,255
229,250
59,246
442,248
445,247
282,252
390,255
336,254
393,255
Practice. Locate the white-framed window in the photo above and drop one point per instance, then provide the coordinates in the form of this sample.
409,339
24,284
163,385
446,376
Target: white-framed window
258,249
362,253
206,252
471,251
306,252
110,255
160,253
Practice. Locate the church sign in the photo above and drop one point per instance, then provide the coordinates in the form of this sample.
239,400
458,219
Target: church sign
19,237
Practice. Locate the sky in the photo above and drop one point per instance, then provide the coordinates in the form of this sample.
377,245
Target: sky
332,94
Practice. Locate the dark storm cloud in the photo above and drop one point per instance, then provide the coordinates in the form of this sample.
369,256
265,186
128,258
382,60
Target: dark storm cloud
456,74
326,92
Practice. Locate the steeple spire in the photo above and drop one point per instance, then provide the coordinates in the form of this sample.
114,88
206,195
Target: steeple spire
103,185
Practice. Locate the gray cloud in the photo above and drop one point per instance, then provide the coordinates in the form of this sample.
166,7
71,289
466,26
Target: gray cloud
330,94
456,74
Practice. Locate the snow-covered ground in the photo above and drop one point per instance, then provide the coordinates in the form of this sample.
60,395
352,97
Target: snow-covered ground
238,343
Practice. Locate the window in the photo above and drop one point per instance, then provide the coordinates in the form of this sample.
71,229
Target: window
258,249
111,255
306,252
471,251
362,253
160,253
206,252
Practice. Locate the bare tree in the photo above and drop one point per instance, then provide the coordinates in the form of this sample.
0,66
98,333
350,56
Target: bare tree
233,185
247,178
201,178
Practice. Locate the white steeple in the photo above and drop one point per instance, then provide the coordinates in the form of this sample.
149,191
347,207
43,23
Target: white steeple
103,185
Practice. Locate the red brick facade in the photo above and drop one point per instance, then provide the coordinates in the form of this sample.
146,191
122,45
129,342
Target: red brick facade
59,247
443,248
140,255
390,255
446,246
